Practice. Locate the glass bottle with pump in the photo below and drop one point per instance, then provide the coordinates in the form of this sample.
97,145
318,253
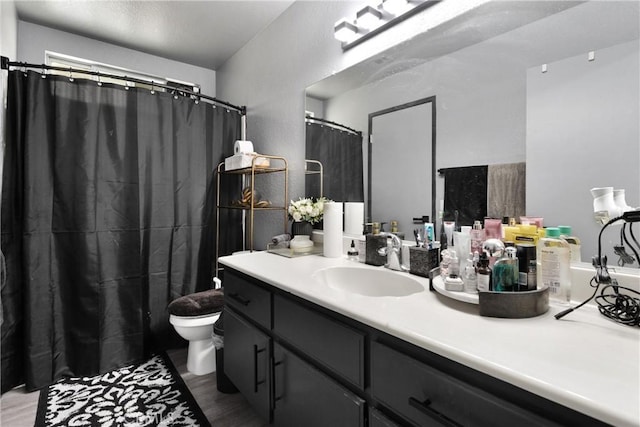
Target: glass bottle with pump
483,273
554,265
505,272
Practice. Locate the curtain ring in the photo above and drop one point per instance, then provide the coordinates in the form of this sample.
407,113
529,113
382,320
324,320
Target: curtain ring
99,82
152,91
70,75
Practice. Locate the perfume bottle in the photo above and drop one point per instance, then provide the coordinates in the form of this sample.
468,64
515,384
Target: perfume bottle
477,236
506,272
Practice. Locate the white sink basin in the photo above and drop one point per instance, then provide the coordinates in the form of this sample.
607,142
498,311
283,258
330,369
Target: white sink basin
368,281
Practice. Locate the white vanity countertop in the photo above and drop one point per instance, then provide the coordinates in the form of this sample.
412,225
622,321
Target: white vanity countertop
584,361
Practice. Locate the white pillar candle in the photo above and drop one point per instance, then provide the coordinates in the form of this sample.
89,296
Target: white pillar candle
332,238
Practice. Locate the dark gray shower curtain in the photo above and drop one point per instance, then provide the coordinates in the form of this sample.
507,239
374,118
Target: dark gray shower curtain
340,153
108,214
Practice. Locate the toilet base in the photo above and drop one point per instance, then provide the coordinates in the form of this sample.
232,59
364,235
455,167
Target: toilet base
201,357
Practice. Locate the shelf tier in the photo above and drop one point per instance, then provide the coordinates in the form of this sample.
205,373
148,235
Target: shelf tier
256,171
248,208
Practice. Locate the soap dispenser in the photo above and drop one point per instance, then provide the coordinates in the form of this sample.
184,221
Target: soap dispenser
374,242
506,272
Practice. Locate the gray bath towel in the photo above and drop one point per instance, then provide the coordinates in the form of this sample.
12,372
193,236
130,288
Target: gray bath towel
506,190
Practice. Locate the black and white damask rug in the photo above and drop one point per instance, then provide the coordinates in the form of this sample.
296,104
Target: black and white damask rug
148,394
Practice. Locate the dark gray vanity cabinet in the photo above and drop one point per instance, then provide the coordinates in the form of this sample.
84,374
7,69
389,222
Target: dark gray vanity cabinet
304,396
300,364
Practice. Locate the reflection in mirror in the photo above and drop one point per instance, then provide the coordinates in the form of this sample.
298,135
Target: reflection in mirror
402,148
333,161
552,84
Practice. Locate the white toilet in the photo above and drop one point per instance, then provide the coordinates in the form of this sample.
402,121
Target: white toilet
198,330
193,317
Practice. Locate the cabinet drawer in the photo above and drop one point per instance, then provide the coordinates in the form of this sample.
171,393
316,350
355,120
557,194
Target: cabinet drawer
304,396
247,298
334,345
426,396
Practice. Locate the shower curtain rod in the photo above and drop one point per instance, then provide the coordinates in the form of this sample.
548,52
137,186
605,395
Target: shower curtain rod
5,63
334,124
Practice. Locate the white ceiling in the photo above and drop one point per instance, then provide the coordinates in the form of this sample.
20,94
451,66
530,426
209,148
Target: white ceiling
204,33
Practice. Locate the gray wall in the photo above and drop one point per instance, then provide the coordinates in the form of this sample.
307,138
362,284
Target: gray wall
8,48
34,40
269,75
583,133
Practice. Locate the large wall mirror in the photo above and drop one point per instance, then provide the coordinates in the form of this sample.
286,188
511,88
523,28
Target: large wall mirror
551,85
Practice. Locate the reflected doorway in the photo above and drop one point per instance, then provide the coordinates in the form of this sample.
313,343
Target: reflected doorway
401,164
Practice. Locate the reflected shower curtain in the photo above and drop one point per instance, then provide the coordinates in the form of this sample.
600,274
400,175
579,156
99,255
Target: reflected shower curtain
108,214
340,153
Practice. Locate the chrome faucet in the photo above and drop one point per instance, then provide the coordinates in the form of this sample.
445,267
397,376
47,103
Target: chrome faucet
394,253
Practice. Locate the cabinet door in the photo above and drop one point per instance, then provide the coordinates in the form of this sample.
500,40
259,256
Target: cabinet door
246,361
303,396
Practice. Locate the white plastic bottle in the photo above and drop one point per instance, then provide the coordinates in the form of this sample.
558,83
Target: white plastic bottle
554,266
469,277
573,241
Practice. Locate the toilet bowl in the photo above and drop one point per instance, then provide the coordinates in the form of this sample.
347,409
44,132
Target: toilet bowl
193,317
198,330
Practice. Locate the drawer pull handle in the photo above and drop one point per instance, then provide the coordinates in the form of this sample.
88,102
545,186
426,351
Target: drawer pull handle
425,408
256,383
239,298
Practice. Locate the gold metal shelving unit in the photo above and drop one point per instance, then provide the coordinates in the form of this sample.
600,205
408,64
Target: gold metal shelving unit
276,165
309,170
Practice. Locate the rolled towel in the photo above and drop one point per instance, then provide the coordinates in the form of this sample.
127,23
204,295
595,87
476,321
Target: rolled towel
281,238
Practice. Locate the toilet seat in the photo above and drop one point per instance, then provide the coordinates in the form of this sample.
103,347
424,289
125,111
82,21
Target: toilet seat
194,320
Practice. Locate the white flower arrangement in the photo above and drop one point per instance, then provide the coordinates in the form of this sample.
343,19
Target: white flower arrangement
305,209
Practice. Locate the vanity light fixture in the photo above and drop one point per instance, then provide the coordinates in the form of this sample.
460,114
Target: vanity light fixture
372,20
345,31
368,17
395,7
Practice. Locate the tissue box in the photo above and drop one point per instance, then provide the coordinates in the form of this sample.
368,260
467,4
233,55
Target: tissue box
423,260
243,160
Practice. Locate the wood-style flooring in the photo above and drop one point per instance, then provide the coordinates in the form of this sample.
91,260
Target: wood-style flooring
18,408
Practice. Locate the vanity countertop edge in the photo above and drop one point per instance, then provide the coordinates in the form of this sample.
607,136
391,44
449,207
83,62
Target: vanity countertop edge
584,361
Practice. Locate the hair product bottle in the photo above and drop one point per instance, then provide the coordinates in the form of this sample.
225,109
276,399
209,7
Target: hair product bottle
554,266
526,253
